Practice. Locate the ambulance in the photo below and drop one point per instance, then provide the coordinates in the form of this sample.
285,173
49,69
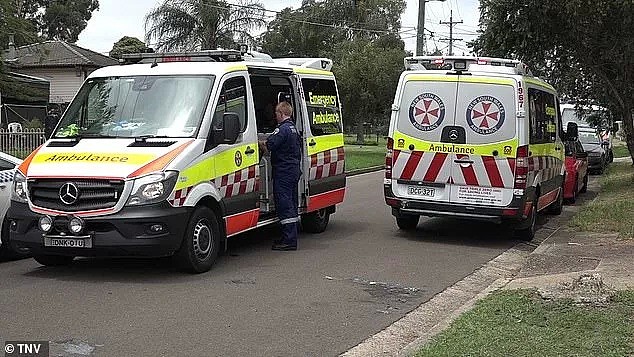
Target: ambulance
474,138
159,157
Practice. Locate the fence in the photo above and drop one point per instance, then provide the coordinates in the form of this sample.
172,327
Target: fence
21,143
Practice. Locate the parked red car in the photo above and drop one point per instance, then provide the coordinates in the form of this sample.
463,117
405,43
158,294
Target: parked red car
576,170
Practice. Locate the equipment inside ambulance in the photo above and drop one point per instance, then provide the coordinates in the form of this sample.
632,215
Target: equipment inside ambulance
159,156
477,138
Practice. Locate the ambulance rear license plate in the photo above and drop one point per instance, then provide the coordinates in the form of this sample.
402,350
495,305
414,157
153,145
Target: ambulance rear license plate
421,191
68,242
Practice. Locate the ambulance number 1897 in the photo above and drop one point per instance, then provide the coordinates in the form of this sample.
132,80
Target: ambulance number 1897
420,191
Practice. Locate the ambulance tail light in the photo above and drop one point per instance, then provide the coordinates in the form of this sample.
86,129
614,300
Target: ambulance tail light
521,167
388,158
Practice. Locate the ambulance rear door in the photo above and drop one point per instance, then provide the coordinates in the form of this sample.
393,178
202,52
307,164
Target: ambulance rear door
486,141
420,168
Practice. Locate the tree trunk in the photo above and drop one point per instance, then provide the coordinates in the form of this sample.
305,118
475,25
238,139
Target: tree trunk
360,134
628,128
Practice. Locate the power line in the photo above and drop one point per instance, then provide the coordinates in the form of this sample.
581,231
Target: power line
451,24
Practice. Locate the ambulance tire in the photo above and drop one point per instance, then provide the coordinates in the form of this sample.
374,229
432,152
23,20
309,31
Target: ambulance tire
316,222
407,223
201,243
527,234
54,260
557,207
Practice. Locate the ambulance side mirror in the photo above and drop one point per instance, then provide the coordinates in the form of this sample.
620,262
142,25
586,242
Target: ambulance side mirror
229,130
572,131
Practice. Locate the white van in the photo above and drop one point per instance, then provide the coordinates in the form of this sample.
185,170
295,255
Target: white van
477,138
160,157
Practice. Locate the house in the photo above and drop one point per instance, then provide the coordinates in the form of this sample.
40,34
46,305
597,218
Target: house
64,65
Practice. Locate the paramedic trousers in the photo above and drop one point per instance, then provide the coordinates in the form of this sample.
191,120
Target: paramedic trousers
285,194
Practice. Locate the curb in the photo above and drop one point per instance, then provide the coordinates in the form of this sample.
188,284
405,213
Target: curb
364,170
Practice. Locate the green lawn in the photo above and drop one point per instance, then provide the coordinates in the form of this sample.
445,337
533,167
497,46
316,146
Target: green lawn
359,157
520,323
613,210
620,151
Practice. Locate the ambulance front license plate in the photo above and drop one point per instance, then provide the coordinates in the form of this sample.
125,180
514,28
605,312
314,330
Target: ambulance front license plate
421,191
68,242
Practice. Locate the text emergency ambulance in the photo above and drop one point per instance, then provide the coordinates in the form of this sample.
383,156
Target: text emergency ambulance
476,138
161,158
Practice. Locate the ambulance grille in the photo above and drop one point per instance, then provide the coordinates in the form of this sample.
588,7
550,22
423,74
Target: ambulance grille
92,194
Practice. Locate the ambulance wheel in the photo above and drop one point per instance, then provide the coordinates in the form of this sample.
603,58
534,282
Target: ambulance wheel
527,233
201,243
557,207
54,260
407,223
316,222
584,188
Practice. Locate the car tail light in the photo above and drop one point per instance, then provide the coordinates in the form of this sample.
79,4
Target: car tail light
388,158
521,167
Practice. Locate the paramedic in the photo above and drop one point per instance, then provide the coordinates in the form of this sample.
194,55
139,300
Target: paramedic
285,149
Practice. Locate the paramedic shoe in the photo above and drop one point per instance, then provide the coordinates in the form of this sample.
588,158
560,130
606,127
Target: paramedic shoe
284,247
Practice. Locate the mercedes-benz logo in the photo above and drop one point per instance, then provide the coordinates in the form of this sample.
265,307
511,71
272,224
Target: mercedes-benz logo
68,193
453,135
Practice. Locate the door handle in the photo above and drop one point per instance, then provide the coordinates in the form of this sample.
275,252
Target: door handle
463,161
312,143
249,150
3,186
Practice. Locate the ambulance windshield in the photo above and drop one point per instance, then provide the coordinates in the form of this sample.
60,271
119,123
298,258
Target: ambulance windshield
161,106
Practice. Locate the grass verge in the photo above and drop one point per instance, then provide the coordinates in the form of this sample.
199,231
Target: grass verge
613,209
620,151
520,323
360,157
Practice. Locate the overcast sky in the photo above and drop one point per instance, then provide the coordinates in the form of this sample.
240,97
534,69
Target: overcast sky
118,18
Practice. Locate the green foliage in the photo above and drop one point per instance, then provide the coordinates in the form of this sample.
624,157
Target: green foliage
186,25
583,47
127,45
66,19
362,41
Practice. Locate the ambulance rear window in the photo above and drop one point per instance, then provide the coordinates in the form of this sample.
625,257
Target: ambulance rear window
322,102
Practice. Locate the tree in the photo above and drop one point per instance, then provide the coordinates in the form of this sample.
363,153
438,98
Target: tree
185,25
66,19
127,45
583,47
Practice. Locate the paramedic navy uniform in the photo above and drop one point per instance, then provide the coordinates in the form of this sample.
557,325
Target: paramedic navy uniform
284,146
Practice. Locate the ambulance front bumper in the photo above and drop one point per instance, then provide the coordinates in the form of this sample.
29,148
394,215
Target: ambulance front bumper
133,231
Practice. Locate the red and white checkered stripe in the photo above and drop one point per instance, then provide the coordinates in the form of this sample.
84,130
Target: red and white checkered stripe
327,163
421,166
238,182
177,198
548,166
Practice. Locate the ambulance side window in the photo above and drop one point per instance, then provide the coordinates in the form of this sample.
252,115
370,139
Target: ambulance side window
233,98
324,110
543,117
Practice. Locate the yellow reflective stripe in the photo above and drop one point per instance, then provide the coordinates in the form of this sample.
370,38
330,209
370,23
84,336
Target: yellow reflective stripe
431,78
539,83
547,149
487,80
324,142
234,68
303,70
93,158
506,148
220,164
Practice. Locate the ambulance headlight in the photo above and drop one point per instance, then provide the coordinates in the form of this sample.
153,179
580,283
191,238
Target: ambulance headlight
19,192
152,188
45,223
76,225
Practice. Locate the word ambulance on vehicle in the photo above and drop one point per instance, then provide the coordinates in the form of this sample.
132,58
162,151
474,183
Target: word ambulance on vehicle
159,156
477,138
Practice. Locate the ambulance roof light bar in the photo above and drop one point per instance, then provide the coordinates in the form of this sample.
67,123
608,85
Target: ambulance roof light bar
324,64
199,56
483,64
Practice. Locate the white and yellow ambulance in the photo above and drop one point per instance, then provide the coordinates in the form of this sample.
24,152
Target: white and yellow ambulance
159,156
477,138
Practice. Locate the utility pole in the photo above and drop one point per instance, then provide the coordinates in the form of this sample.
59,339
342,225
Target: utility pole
420,30
451,23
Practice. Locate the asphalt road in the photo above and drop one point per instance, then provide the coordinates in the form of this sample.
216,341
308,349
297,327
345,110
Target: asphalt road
342,286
